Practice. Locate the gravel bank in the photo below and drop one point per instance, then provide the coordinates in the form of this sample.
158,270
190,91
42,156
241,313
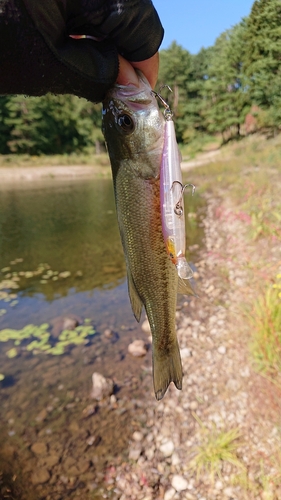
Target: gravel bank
220,389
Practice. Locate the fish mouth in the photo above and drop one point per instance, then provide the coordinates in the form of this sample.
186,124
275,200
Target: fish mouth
141,95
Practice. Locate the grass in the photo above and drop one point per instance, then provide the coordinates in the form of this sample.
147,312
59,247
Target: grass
264,481
265,320
216,448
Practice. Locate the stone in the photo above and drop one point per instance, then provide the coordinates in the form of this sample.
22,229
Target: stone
175,459
39,448
40,476
51,461
167,448
134,453
185,353
170,493
61,323
221,349
102,387
193,405
137,348
137,436
179,483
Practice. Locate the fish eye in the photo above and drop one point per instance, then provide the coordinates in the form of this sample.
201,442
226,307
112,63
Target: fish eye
126,123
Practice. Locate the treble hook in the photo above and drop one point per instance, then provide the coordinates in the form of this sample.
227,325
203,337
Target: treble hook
168,114
178,207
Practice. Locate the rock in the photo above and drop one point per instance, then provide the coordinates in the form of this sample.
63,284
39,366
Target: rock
40,476
146,327
41,416
185,353
102,387
170,494
175,459
167,448
80,467
219,485
137,436
51,461
134,453
179,483
137,348
39,449
108,333
221,349
193,405
61,323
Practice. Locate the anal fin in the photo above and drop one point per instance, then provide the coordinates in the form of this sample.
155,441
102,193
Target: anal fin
185,287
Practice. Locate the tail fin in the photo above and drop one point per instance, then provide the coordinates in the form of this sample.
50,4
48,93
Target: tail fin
167,368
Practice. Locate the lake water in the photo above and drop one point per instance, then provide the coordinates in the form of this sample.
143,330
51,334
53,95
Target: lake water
60,246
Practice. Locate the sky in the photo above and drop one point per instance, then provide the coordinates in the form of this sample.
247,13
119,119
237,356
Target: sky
197,23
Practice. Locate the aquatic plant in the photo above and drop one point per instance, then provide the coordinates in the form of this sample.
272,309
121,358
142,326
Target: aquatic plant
37,339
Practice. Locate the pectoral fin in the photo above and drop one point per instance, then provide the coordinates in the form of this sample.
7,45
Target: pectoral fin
135,299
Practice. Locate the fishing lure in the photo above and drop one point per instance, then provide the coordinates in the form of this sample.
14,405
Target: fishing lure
171,198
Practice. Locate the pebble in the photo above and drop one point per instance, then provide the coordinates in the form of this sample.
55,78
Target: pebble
137,348
134,453
170,493
221,349
102,387
137,436
179,483
51,461
167,448
193,405
40,476
39,448
185,353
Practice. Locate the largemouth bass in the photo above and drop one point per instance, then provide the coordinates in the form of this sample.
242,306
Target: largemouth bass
133,128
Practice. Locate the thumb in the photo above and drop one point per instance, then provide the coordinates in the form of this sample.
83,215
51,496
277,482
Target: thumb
127,74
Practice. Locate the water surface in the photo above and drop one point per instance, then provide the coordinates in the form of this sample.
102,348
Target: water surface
70,227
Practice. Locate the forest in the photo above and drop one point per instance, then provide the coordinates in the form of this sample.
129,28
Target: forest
230,89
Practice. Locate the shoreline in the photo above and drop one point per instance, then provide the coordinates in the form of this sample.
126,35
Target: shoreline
28,174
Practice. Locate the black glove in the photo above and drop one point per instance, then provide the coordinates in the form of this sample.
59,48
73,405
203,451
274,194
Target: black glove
38,56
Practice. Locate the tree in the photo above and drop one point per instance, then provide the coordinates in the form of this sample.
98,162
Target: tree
175,69
52,124
262,63
5,129
225,95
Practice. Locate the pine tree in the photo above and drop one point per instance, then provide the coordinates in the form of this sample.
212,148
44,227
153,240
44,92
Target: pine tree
262,58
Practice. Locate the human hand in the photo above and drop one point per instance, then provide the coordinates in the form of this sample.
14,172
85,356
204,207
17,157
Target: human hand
149,67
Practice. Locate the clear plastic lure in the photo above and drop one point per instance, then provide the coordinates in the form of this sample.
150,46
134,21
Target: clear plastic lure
171,198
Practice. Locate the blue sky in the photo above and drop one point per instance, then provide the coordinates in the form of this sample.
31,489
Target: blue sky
197,23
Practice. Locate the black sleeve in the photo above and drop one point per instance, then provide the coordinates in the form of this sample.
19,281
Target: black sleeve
38,56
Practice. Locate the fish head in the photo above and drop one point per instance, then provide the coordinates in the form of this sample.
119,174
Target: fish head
133,127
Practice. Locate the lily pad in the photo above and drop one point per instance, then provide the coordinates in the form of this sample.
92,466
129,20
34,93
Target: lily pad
12,353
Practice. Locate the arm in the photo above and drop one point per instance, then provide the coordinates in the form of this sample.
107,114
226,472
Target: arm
38,56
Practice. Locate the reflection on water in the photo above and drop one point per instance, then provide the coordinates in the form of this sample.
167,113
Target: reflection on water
72,227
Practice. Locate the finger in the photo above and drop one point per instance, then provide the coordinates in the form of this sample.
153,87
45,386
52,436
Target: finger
149,68
127,74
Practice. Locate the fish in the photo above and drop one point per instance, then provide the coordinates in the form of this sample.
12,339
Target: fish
134,127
